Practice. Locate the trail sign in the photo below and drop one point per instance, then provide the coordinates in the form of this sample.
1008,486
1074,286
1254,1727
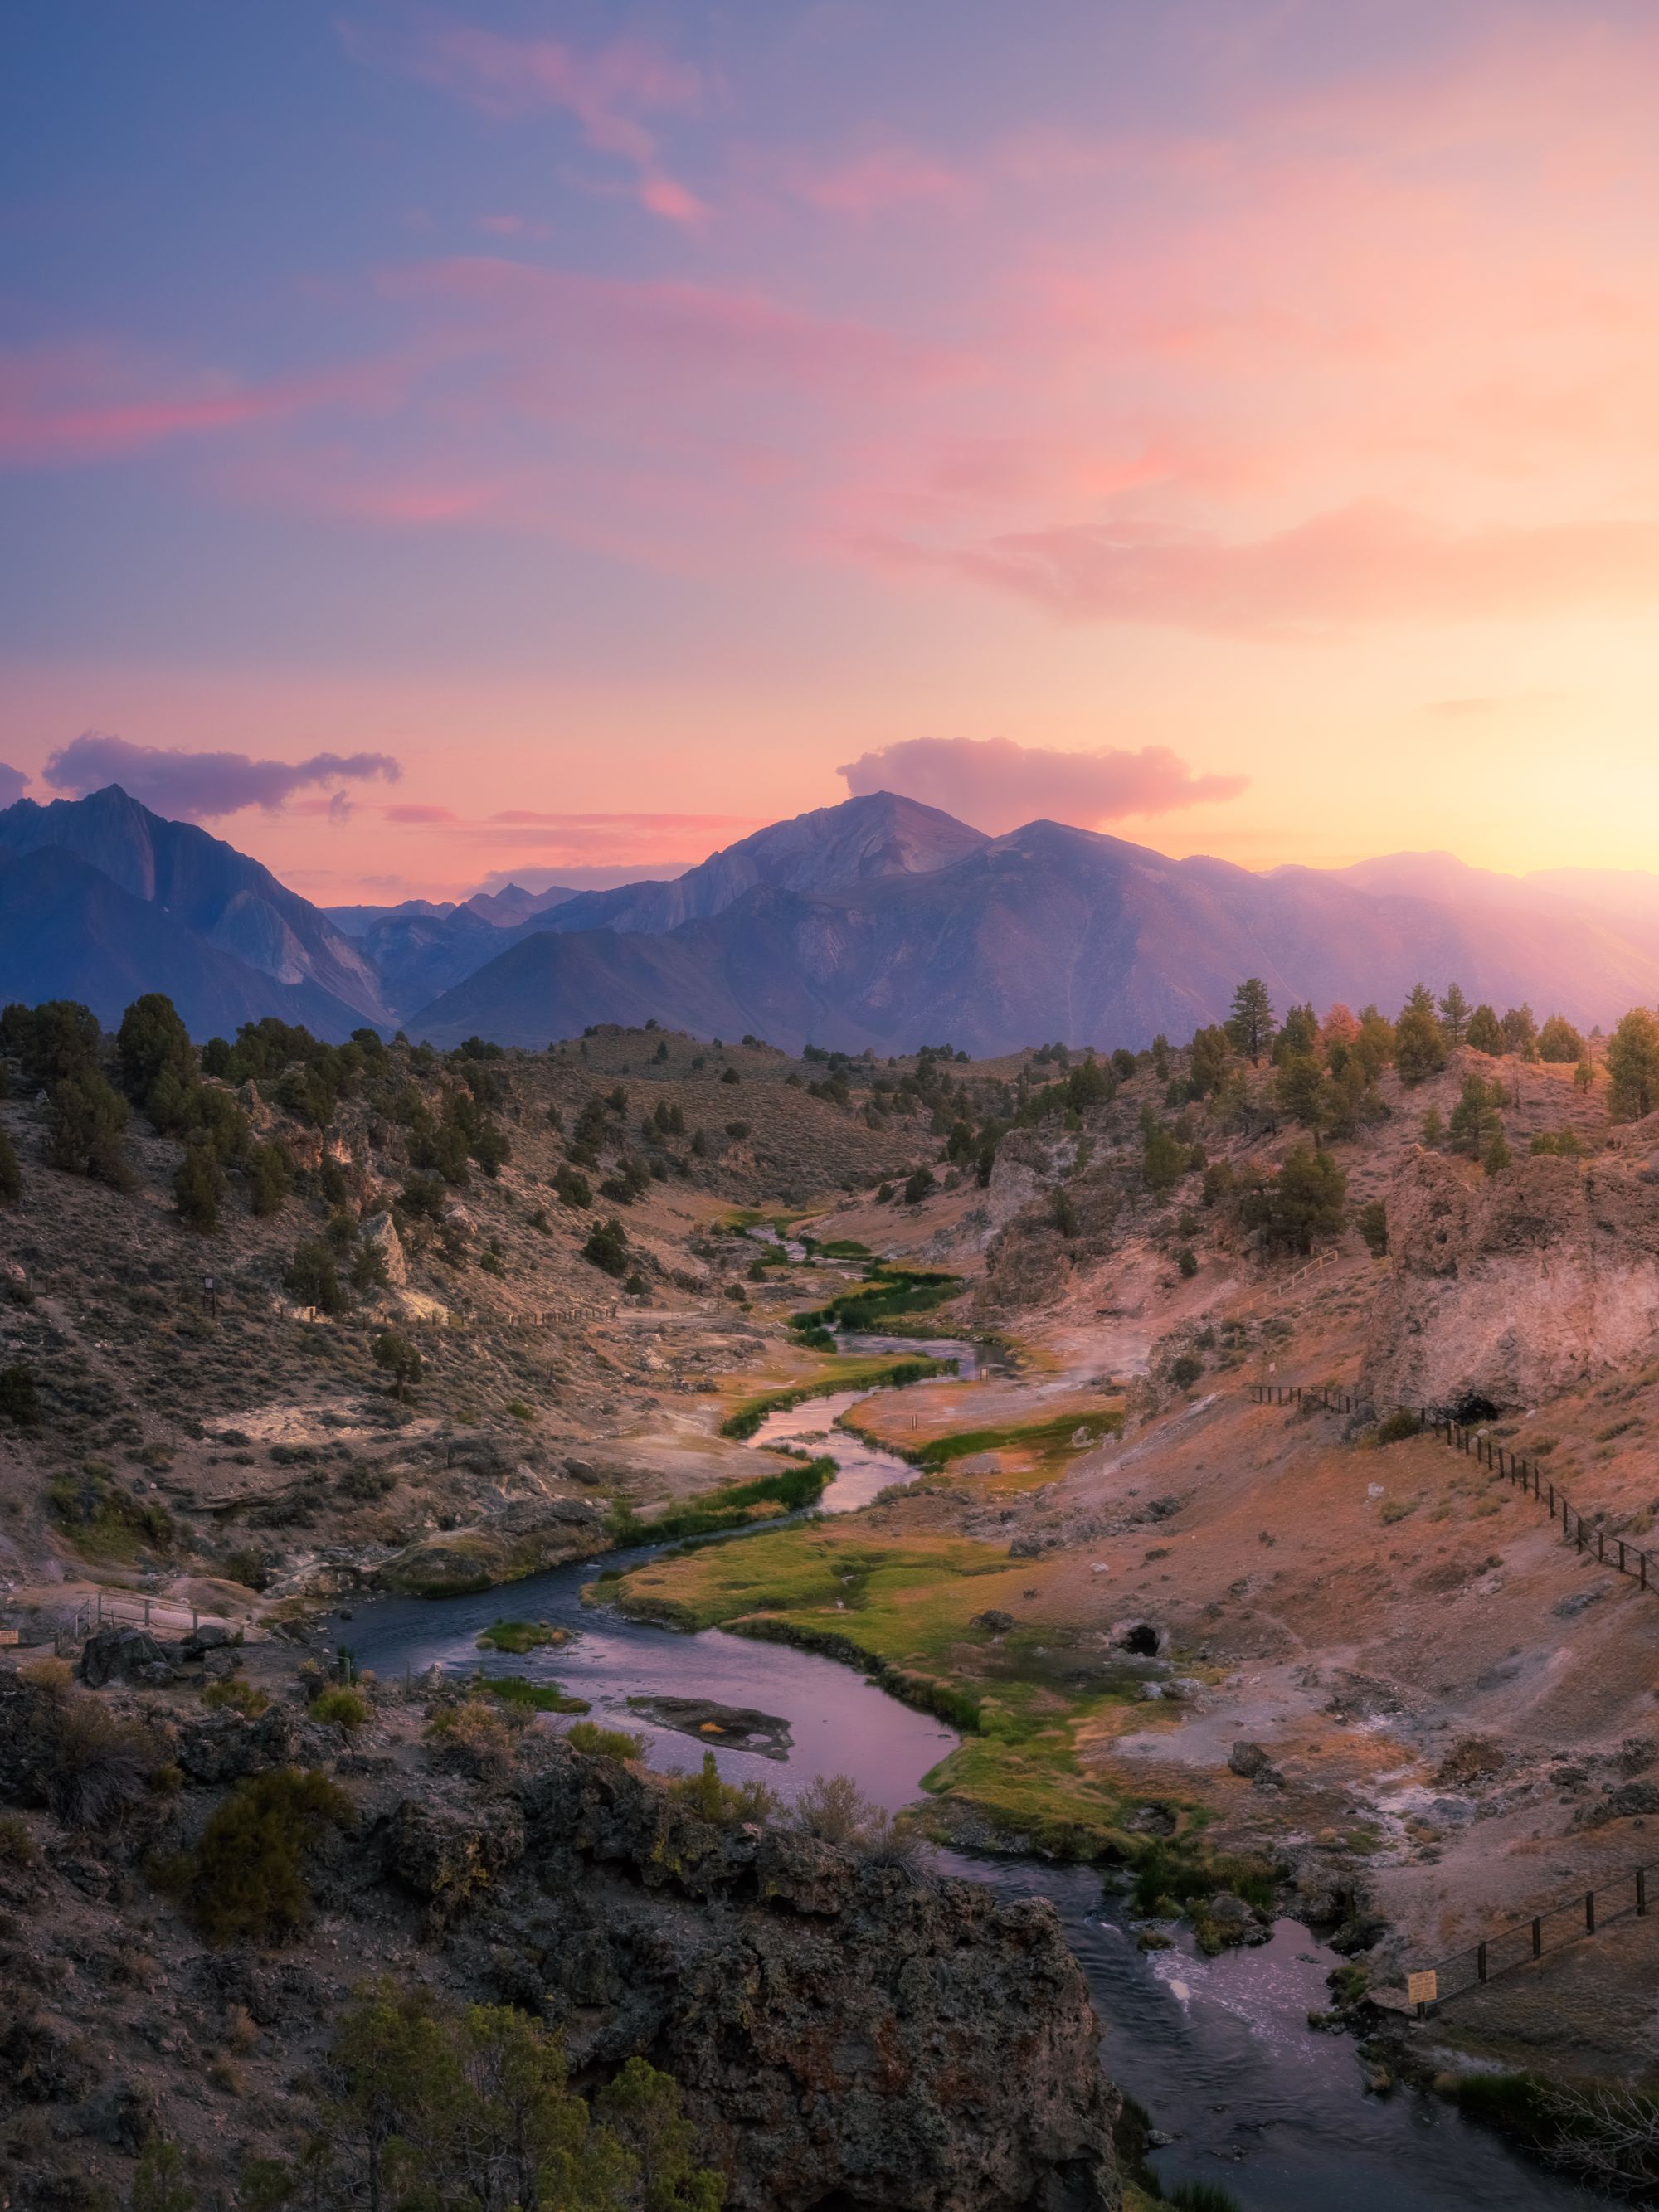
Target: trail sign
1422,1988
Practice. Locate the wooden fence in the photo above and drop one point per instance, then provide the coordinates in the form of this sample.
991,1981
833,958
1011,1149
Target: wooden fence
1513,1467
1582,1915
109,1606
1526,1940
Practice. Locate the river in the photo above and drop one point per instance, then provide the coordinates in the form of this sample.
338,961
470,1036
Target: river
1218,2049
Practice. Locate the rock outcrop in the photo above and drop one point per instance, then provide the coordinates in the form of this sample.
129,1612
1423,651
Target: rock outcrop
1510,1288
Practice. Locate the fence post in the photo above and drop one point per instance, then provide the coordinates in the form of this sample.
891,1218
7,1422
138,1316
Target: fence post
1641,1889
1589,1912
1538,1937
1601,1544
1480,1962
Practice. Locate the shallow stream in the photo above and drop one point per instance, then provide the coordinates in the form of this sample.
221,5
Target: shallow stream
1218,2049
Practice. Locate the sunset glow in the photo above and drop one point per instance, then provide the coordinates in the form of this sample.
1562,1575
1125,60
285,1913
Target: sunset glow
566,437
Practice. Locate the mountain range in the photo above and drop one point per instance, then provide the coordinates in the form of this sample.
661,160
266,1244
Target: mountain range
879,922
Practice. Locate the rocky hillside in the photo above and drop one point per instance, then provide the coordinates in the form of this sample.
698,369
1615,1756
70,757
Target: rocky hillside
840,2027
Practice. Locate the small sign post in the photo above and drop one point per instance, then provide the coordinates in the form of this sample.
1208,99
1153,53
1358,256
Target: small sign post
211,1287
8,1635
1421,1990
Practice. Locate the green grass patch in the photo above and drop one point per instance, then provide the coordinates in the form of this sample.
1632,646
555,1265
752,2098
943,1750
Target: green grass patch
531,1697
515,1638
852,1374
843,1248
796,1485
1041,1438
879,1302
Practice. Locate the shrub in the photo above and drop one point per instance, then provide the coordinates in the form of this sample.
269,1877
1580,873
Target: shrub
19,1400
100,1765
17,1845
1187,1260
727,1804
832,1808
1185,1371
604,1743
11,1175
345,1710
572,1189
236,1696
246,1879
471,1738
247,1567
1397,1427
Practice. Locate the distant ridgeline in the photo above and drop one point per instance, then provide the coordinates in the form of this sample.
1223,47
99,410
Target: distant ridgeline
863,926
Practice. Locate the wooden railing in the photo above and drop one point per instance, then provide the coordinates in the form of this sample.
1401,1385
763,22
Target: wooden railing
1583,1914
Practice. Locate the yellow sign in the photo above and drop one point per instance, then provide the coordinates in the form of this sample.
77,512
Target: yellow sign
1422,1988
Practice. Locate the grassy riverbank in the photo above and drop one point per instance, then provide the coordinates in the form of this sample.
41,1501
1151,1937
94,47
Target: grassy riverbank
935,1618
793,1486
844,1375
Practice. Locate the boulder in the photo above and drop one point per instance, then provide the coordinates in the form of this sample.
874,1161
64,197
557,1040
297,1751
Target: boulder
127,1654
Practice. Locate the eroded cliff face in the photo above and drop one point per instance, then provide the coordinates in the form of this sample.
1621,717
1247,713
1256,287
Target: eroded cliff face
1516,1286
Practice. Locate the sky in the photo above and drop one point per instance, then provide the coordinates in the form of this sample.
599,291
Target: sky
551,438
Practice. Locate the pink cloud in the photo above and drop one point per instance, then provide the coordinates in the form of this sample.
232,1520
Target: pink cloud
998,785
884,178
416,816
607,90
1369,562
62,405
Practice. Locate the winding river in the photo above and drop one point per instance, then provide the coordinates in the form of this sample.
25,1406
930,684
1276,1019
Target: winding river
1218,2049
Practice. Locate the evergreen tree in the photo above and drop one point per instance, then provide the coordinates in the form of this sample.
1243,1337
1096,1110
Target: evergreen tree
1584,1074
1558,1042
1302,1091
1306,1199
1434,1129
607,1247
152,1040
1521,1032
1374,1045
399,1359
85,1117
199,1187
1298,1036
1633,1066
311,1279
1475,1115
1486,1033
1495,1154
1419,1043
1251,1025
1454,1014
268,1179
1207,1059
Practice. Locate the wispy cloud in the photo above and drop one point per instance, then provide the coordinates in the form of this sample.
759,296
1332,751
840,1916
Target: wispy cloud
1370,563
608,90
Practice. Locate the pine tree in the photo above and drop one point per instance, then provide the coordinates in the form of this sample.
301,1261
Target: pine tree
199,1187
1558,1042
1495,1156
86,1116
267,1179
1454,1014
152,1040
1521,1032
1250,1024
1486,1033
1633,1066
1419,1043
